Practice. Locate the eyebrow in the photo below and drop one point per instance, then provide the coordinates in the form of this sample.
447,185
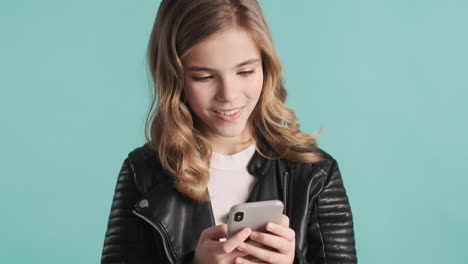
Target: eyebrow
196,68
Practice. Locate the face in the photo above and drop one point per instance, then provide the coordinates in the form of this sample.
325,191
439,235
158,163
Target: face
223,82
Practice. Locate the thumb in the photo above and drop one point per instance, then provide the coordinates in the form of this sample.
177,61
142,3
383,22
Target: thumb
285,221
215,232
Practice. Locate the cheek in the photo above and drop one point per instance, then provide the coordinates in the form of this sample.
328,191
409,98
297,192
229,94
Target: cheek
196,96
255,88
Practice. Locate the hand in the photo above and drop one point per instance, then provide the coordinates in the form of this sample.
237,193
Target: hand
282,242
211,251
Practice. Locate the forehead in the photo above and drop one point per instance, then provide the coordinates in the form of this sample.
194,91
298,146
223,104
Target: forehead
223,50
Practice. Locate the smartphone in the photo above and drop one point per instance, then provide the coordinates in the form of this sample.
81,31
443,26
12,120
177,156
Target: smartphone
254,215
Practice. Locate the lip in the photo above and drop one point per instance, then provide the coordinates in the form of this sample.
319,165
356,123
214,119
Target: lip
225,110
230,118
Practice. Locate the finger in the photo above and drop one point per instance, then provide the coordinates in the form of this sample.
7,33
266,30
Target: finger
230,244
276,242
252,258
260,253
214,232
255,243
236,253
281,231
258,244
244,260
285,221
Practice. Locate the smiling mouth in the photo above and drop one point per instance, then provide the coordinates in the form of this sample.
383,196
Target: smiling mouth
229,112
229,116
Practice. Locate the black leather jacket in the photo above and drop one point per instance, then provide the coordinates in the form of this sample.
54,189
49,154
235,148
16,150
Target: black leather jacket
151,222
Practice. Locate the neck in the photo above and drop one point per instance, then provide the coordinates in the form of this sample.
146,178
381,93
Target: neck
229,146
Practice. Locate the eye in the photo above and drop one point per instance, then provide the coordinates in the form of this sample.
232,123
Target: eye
206,78
247,72
202,79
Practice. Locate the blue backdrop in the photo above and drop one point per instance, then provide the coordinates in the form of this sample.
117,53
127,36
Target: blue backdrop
387,80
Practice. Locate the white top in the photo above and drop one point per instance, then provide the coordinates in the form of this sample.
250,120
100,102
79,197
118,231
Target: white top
230,182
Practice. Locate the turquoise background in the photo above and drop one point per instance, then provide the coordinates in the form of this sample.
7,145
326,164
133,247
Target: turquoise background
387,80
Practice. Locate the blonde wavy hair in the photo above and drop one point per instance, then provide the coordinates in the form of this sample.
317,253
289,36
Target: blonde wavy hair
172,129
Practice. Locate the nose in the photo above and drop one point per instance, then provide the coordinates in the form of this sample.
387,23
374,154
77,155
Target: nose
227,91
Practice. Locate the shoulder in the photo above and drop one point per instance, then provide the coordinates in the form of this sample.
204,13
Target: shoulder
327,159
314,170
146,167
328,163
141,154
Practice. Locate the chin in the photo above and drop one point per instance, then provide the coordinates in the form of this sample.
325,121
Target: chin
226,132
230,134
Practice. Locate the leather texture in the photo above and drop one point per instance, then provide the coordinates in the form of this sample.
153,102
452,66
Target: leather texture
151,222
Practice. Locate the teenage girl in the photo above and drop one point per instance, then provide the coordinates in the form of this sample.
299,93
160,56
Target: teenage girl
221,134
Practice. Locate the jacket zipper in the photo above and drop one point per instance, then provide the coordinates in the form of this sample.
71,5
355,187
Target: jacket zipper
285,190
169,254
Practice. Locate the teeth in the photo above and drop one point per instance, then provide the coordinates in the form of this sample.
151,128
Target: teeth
228,112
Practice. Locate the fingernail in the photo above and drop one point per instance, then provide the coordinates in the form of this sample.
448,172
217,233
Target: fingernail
241,247
254,234
246,231
269,227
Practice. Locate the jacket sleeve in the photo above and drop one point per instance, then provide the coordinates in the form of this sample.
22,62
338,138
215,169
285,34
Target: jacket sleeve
330,230
128,239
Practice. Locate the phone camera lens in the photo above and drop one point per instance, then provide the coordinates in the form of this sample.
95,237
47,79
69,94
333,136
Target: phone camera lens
239,216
